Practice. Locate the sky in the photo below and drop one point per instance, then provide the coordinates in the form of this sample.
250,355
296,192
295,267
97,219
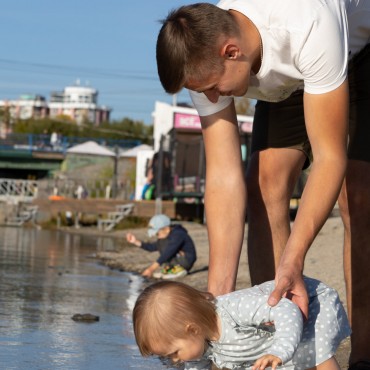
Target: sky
105,44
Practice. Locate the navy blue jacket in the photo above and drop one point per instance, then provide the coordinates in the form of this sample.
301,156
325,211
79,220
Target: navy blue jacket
177,240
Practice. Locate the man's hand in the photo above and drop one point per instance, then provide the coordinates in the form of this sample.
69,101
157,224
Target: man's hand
289,283
267,361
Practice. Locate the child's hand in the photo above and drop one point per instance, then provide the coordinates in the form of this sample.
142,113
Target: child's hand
131,238
147,272
267,361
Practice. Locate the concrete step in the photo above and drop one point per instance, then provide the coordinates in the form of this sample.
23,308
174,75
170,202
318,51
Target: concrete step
114,218
15,221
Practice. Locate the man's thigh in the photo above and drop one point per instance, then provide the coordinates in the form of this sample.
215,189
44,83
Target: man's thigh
281,125
273,173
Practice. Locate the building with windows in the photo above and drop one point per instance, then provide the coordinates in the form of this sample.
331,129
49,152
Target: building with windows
80,103
27,106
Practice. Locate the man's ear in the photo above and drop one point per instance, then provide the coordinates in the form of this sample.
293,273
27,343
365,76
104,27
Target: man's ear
192,328
230,51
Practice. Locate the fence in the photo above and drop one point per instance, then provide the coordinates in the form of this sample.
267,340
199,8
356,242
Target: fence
42,142
18,190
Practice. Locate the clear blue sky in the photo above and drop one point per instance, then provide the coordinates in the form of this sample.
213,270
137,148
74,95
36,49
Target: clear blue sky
110,45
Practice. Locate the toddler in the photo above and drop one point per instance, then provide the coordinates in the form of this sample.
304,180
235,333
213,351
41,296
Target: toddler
239,330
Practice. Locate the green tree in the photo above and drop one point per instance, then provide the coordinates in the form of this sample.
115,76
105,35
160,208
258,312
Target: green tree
124,129
5,117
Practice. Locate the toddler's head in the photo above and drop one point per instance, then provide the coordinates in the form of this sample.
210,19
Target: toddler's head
170,317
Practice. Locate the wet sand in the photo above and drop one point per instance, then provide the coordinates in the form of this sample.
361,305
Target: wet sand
323,261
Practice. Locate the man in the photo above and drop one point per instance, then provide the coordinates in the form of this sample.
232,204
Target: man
292,56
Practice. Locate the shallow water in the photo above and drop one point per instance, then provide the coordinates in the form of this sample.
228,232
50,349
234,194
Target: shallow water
45,278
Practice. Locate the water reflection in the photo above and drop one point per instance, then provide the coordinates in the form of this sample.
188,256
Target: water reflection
45,278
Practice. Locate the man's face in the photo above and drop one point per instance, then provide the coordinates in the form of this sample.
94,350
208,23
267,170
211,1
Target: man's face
232,81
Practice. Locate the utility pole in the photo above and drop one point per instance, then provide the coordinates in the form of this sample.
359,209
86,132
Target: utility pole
115,173
174,100
158,190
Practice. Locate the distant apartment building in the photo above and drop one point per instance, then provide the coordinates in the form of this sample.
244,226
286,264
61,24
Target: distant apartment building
80,103
77,102
26,106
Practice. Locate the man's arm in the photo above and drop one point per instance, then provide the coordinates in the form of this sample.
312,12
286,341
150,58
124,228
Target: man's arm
225,198
326,118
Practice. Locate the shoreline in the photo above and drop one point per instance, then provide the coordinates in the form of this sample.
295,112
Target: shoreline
325,251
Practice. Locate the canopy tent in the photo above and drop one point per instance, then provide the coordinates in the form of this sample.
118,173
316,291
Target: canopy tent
91,147
133,152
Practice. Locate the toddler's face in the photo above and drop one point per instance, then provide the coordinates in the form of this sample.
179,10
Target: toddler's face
183,349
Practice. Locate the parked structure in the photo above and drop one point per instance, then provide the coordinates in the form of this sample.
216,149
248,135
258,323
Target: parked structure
177,130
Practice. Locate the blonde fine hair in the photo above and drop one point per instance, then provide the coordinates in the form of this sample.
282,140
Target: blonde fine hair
163,311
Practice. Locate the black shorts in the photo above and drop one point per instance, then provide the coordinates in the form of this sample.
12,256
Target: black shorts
282,125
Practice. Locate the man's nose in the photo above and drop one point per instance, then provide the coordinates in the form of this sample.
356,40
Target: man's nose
212,95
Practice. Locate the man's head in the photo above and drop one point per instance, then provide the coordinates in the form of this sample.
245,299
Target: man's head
189,44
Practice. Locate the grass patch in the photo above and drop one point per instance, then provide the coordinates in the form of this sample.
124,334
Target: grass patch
133,222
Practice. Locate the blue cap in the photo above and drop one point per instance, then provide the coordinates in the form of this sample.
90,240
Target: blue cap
156,223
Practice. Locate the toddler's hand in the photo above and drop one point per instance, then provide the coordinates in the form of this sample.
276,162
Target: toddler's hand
267,361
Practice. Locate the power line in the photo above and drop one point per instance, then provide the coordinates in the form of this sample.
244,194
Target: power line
16,65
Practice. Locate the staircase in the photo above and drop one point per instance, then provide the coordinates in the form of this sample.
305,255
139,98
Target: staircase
26,214
114,218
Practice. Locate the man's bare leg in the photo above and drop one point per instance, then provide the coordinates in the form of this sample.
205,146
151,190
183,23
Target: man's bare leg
354,203
271,178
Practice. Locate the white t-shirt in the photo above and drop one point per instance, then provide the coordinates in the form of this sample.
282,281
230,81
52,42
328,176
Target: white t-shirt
305,46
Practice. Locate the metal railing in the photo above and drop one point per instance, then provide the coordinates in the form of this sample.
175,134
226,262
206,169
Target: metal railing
18,190
42,142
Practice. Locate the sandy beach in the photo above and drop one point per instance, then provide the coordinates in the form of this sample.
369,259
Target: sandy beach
323,261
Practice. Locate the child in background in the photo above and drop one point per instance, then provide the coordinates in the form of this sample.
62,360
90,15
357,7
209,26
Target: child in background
239,330
175,246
